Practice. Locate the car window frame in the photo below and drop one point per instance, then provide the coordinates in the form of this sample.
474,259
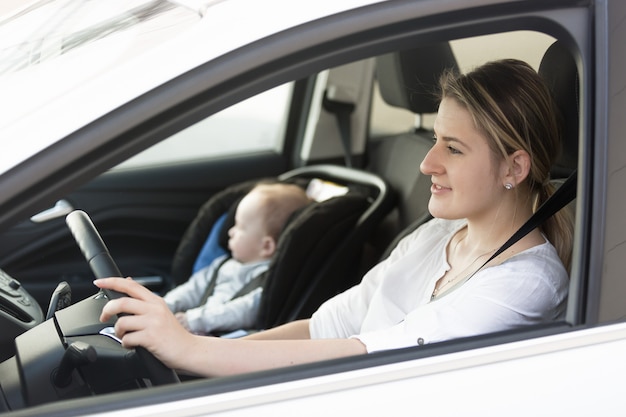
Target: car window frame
245,84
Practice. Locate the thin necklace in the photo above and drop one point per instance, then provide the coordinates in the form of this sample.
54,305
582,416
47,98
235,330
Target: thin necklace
447,282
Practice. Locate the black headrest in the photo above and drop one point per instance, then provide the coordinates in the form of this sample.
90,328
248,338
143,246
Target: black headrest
307,242
197,232
410,78
558,69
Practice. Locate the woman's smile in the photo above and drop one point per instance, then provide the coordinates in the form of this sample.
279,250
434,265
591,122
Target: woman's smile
437,189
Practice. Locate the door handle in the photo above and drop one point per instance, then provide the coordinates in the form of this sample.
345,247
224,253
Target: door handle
61,209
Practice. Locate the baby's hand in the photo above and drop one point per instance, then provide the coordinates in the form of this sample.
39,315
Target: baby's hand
182,319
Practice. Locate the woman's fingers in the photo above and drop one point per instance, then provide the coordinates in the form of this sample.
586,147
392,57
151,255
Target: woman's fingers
155,328
143,320
139,297
124,306
126,286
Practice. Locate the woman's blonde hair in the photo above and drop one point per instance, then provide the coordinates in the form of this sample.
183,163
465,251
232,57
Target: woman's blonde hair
512,106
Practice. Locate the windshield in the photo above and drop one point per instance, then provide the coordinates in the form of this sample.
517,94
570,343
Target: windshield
66,63
50,47
44,30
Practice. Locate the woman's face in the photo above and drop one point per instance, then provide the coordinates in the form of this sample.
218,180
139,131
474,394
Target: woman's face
466,183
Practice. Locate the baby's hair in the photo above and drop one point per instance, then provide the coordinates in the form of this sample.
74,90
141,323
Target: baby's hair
280,201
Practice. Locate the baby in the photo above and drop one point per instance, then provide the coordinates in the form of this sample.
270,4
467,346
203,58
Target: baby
209,302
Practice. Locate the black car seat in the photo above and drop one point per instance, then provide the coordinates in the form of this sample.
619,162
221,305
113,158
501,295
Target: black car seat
558,69
317,249
408,79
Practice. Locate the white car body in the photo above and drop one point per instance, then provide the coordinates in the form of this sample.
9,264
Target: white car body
535,377
572,368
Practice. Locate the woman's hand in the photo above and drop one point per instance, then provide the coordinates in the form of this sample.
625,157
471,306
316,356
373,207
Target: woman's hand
151,324
148,323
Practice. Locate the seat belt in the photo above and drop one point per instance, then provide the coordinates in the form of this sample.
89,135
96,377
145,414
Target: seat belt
561,198
342,111
211,287
253,284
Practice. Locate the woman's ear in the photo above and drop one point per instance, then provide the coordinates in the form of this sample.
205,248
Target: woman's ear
517,167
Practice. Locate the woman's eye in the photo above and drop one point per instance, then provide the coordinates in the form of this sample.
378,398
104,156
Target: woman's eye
453,150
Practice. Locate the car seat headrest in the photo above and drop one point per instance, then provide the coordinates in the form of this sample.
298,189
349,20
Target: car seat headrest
306,243
410,78
558,69
194,238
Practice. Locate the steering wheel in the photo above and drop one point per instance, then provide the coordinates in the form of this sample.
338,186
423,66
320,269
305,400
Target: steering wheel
101,263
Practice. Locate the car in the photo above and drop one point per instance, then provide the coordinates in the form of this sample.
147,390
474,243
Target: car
134,113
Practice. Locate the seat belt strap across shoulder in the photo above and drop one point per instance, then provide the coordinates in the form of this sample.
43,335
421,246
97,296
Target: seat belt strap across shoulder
561,198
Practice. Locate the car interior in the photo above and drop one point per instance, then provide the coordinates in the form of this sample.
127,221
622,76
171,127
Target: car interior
325,248
317,250
392,204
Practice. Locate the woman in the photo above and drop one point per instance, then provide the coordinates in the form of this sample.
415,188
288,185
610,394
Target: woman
496,136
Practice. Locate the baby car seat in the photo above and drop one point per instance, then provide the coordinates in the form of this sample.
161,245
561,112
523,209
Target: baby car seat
318,251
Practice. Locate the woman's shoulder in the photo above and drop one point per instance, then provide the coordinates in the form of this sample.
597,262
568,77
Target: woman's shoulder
542,253
540,261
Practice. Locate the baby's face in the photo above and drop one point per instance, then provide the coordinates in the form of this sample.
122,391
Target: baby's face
246,237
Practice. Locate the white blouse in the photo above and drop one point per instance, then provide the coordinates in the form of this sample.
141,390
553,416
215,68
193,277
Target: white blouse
392,308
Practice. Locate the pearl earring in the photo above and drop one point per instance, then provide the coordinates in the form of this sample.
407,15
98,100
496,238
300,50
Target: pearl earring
508,186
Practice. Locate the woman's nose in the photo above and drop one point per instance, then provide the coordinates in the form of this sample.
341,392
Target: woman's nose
430,164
